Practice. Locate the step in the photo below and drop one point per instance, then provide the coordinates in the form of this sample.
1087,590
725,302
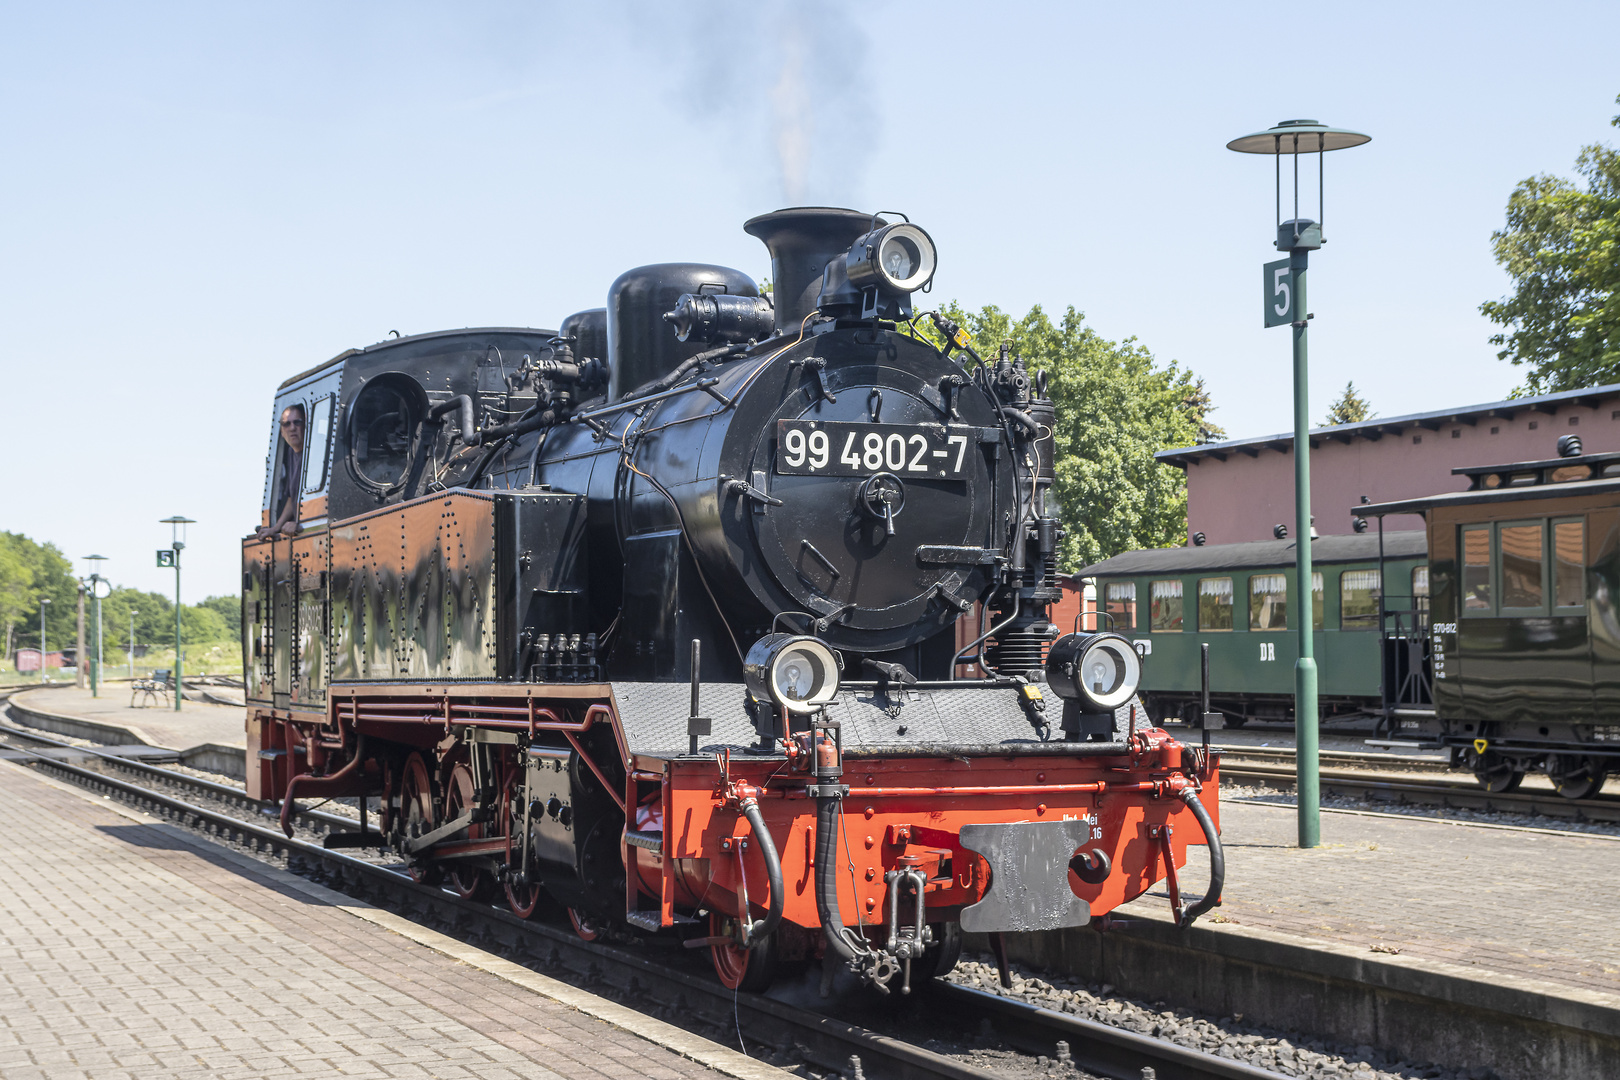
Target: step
648,920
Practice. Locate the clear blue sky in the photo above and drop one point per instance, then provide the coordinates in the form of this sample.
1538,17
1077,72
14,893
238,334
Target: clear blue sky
199,200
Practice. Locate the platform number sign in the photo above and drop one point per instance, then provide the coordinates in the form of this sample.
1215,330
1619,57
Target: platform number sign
1279,293
165,556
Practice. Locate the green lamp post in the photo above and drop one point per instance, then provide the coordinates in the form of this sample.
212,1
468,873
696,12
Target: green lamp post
170,556
1285,306
43,677
100,589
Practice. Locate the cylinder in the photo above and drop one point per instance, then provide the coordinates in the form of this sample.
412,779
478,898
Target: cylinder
802,240
643,347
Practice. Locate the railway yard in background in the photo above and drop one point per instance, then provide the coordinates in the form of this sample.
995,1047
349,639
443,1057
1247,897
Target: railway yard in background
1352,960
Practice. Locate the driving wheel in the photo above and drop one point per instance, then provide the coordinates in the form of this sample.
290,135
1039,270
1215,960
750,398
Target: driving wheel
466,880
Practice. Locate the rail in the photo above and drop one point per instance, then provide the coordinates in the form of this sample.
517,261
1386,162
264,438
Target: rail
792,1034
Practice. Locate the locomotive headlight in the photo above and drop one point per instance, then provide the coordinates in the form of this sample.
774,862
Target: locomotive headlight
1100,670
898,258
798,673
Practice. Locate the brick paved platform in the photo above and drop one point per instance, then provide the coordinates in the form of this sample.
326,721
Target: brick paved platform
196,724
1536,905
130,949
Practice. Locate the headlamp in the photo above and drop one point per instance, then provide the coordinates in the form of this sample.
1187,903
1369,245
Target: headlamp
1101,671
798,673
897,258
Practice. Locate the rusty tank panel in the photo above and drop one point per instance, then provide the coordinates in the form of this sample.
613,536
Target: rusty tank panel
413,589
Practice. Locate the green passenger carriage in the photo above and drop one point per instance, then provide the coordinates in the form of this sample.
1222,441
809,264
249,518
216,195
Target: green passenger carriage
1239,600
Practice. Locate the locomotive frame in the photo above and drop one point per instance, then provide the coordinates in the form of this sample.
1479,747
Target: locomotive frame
572,607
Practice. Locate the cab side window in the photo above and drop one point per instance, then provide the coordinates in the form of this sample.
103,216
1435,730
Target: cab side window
317,445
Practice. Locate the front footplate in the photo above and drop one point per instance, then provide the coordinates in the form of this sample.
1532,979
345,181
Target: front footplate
1029,876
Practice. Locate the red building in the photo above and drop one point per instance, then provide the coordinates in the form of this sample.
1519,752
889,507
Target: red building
1242,489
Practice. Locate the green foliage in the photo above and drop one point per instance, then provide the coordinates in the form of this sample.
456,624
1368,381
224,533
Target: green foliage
1562,247
1116,407
30,571
1351,408
229,608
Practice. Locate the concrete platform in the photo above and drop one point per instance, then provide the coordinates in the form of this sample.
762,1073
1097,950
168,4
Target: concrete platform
196,724
130,948
1434,940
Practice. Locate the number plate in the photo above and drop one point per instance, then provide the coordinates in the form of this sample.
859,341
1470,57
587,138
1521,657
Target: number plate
816,448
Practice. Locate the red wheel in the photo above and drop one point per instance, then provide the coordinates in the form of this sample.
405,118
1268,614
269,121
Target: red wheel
586,926
524,900
416,811
467,882
750,969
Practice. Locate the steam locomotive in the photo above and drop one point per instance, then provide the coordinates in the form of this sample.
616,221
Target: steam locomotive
711,614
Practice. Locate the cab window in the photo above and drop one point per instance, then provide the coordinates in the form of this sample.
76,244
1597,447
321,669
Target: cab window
317,440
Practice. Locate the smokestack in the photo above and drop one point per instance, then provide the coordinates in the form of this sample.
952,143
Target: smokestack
802,240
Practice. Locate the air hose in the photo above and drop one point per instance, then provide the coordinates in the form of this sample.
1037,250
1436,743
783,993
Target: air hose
763,929
840,939
1217,859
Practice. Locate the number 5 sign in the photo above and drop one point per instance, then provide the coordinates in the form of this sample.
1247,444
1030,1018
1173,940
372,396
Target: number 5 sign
1279,293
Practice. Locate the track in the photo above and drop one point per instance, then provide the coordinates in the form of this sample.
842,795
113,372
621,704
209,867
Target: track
651,975
1364,783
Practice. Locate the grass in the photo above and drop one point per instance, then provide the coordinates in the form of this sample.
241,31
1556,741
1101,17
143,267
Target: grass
202,658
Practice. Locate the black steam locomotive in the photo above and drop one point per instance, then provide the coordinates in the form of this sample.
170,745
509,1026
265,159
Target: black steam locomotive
625,617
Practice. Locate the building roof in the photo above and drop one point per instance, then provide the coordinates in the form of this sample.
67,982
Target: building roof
1549,478
1376,429
1258,554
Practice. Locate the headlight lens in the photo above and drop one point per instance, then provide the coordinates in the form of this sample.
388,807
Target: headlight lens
798,673
1100,670
897,258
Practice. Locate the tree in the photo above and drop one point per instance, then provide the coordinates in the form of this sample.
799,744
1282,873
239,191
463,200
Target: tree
1116,407
1562,248
29,573
229,608
1351,408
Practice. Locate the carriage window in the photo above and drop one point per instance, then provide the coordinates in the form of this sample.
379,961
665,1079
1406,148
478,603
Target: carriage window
1165,610
1359,594
1318,601
316,440
1215,603
1569,564
1522,585
1268,602
1476,577
1420,588
1121,603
